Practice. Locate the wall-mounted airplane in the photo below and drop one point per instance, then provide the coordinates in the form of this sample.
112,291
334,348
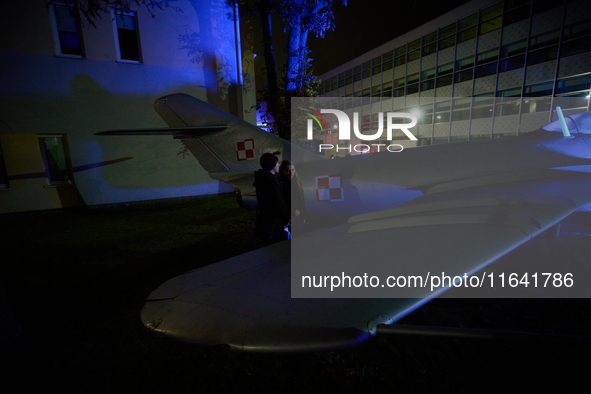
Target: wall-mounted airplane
453,208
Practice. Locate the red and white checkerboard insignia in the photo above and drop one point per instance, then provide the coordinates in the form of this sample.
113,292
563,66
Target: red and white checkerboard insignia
245,149
329,188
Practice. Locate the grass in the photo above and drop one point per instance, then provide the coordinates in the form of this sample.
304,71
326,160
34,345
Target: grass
76,282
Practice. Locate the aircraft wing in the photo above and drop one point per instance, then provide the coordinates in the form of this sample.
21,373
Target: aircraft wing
246,302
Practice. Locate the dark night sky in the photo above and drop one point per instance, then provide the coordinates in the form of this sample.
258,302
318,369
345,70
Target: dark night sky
363,25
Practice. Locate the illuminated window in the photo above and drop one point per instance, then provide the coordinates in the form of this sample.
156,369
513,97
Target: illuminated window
387,89
447,36
66,27
349,77
58,168
388,61
3,174
127,42
376,65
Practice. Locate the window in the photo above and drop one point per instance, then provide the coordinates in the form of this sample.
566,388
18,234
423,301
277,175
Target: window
388,61
577,30
3,174
412,78
54,150
366,69
516,15
574,47
447,36
538,90
66,23
488,56
387,89
467,27
127,36
490,25
357,74
377,65
349,77
492,11
574,84
465,63
487,69
515,48
430,43
465,75
512,63
400,56
544,39
428,74
341,80
542,55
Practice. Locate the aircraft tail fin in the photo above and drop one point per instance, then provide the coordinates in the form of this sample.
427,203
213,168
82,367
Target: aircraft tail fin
183,110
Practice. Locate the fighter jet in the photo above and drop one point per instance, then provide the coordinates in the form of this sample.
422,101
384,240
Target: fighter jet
434,216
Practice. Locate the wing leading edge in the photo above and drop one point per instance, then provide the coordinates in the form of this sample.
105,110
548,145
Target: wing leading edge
246,303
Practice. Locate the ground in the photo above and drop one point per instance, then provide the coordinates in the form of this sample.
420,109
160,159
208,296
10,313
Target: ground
76,282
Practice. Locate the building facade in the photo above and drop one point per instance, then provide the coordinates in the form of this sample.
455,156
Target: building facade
487,69
64,80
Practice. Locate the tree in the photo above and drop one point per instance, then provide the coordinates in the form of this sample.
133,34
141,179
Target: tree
300,17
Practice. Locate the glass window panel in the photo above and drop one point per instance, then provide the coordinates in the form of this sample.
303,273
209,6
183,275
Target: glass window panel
467,34
428,85
540,89
414,55
401,51
428,74
545,39
444,80
410,89
510,4
542,55
399,82
464,63
67,22
462,114
349,77
536,105
398,92
447,42
492,11
429,49
366,69
577,30
413,78
488,56
430,38
487,69
416,44
490,25
512,63
441,117
507,109
516,15
574,47
399,61
515,48
57,165
467,22
573,84
447,30
465,75
445,68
